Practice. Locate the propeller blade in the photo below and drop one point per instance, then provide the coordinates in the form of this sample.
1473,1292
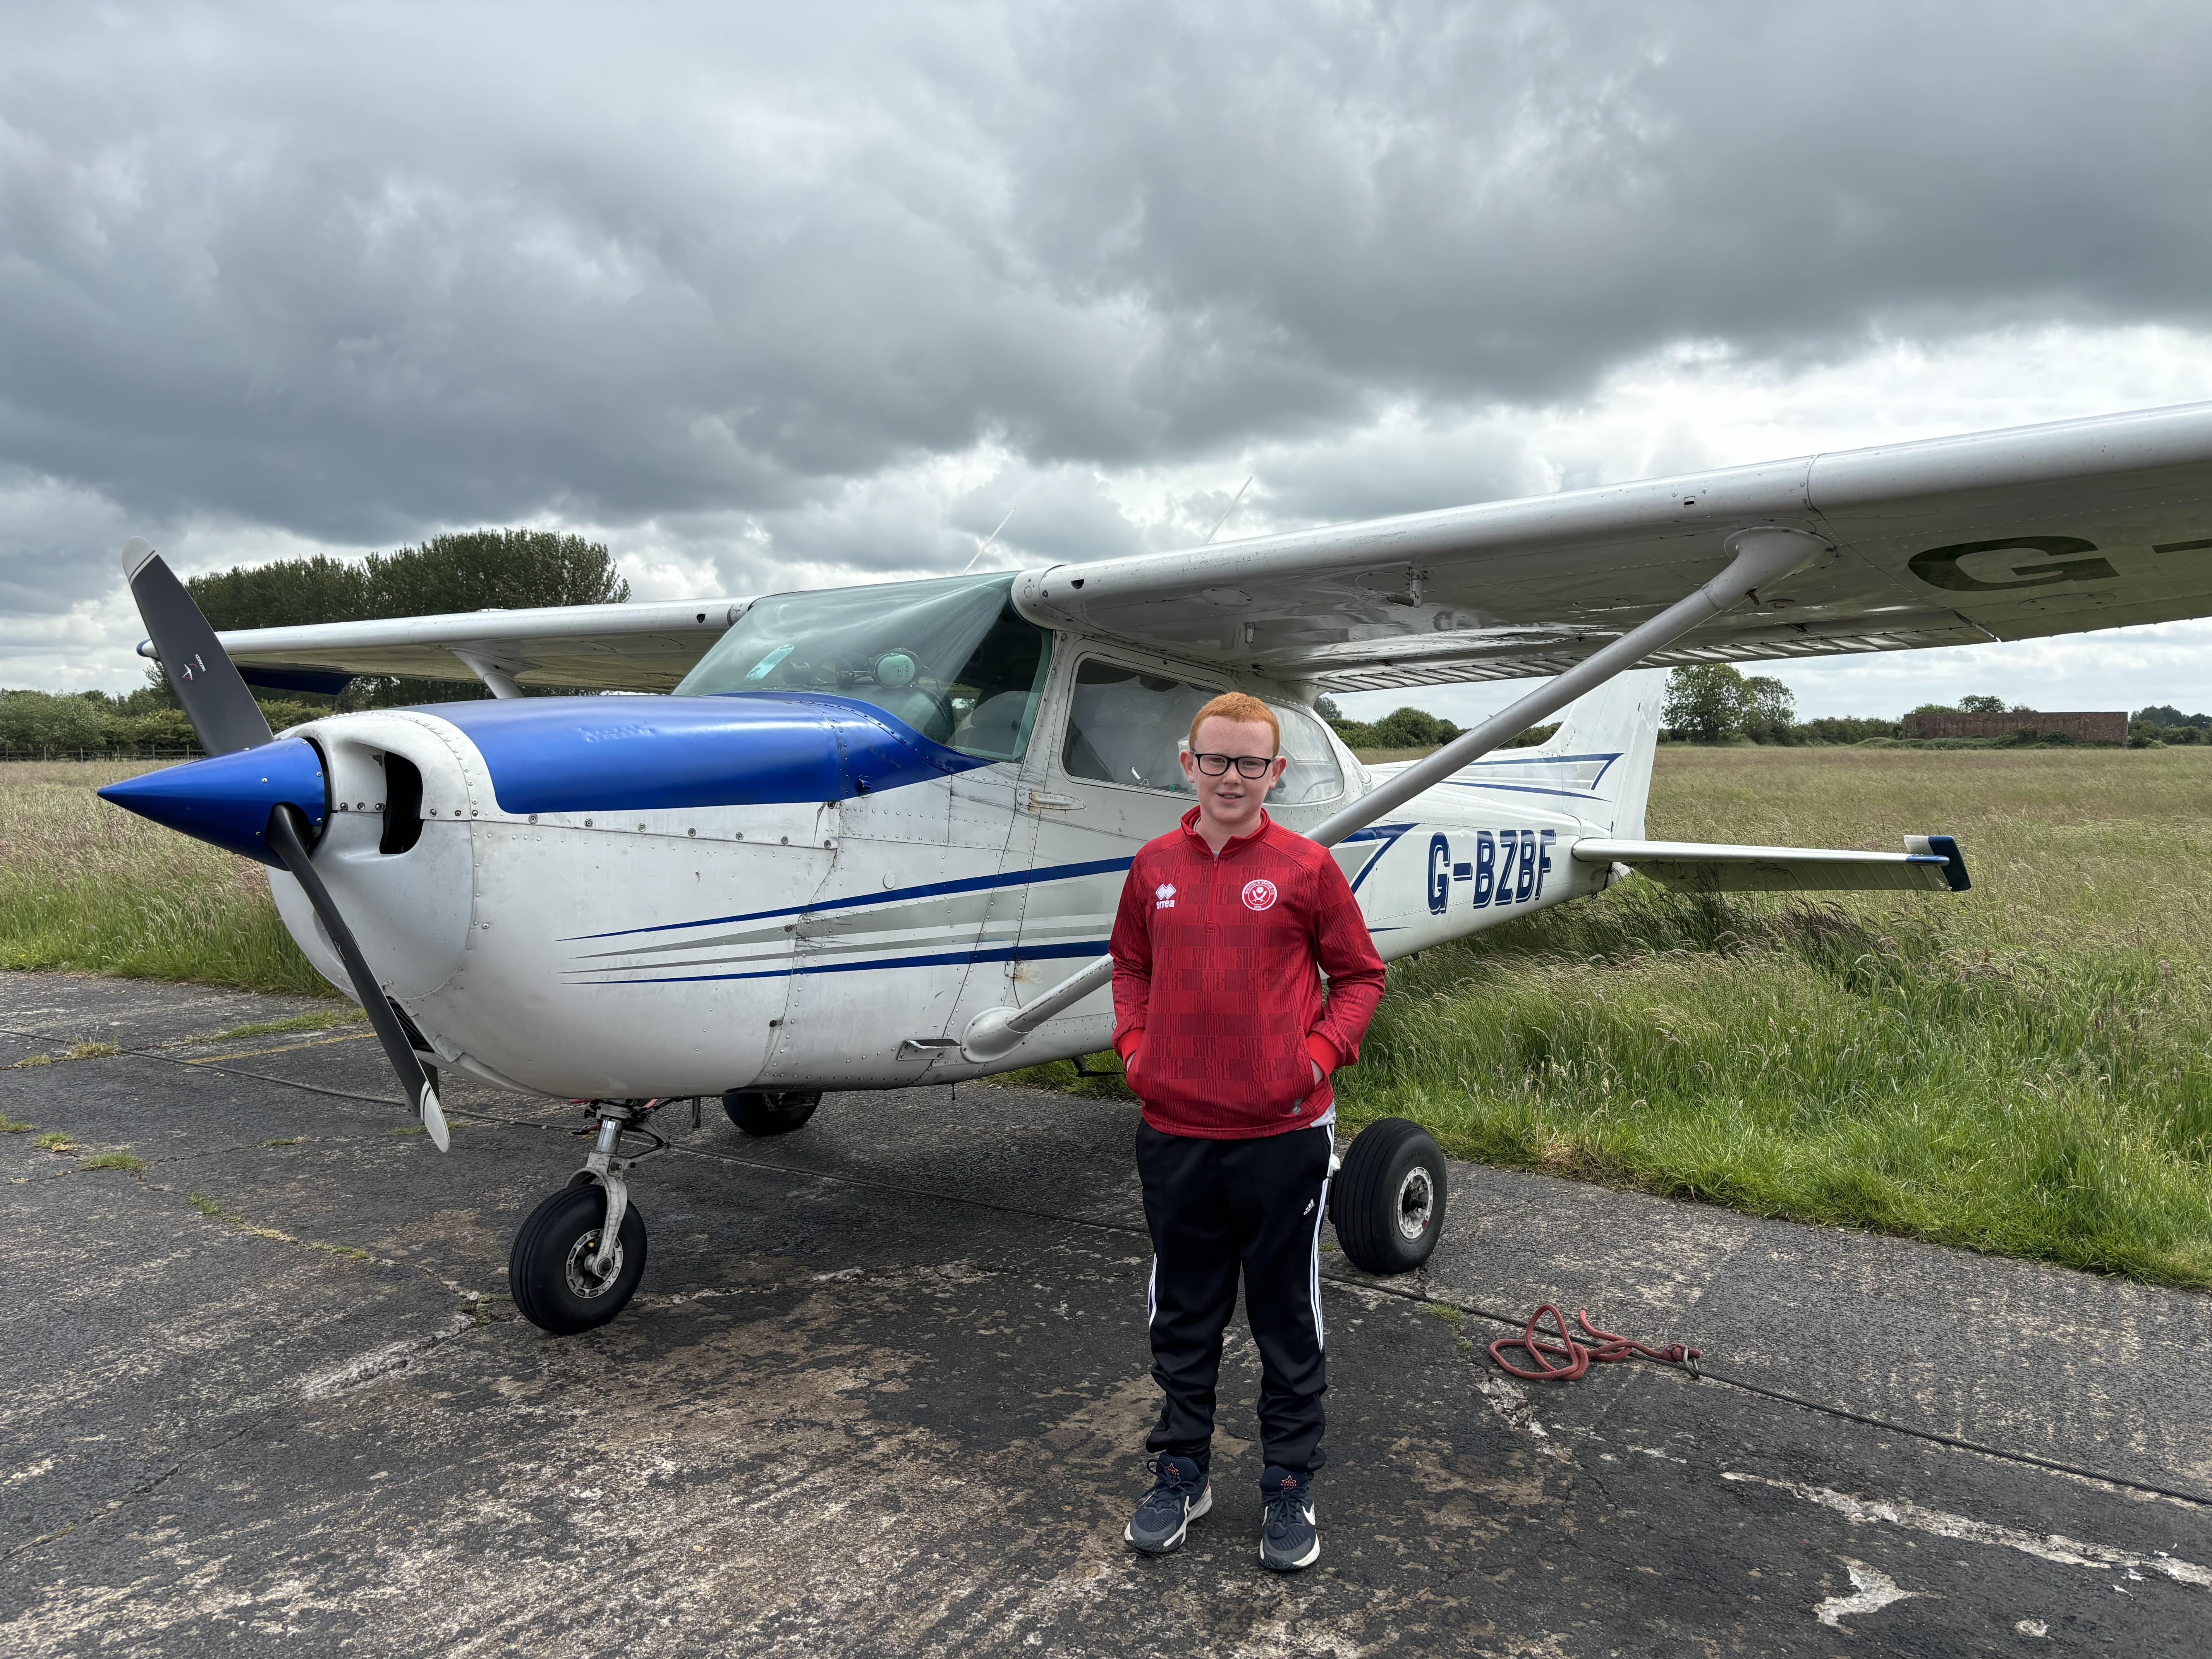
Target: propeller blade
285,825
215,699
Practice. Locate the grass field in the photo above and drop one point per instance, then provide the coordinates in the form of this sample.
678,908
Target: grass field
88,886
2025,1069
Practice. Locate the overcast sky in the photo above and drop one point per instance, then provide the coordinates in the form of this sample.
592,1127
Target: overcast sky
770,297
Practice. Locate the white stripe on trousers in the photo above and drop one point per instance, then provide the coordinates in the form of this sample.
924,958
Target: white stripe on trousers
1321,1214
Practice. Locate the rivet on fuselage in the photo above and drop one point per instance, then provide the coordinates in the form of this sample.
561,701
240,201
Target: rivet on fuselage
785,839
533,818
690,832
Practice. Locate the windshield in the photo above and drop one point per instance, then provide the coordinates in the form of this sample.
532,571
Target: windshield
952,658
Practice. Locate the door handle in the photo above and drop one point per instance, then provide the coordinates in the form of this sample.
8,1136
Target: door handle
1040,801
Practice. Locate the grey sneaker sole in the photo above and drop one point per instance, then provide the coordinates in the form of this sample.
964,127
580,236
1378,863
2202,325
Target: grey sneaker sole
1167,1547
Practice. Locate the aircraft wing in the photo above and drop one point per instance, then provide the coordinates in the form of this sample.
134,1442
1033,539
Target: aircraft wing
614,648
1929,864
1999,535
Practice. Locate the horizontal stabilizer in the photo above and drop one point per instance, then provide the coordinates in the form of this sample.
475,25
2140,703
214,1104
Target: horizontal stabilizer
1929,864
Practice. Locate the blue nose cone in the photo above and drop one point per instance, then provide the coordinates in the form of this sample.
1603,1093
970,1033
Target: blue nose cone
227,800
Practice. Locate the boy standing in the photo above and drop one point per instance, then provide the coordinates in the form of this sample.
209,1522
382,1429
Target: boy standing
1226,925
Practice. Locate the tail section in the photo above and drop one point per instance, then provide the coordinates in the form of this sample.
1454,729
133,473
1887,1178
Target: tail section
1598,760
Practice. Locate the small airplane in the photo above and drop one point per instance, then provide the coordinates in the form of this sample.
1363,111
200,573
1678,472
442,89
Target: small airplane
867,833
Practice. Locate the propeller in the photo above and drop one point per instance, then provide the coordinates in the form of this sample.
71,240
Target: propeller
214,692
227,719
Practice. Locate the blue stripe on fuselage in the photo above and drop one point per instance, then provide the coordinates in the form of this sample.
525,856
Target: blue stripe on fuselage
1387,834
897,896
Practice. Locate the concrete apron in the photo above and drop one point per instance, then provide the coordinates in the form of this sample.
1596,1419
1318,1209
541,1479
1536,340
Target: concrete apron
884,1387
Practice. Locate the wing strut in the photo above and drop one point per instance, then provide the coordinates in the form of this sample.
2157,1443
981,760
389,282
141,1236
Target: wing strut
1758,557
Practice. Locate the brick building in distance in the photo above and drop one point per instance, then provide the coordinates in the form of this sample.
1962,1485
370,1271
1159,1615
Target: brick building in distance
2105,727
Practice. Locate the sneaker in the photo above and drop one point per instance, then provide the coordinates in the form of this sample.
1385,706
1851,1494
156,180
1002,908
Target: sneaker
1179,1496
1287,1538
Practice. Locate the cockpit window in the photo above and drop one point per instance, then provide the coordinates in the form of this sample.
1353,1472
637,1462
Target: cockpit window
952,658
1128,727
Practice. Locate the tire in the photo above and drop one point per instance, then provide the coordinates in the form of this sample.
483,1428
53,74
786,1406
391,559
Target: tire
562,1232
1387,1200
764,1112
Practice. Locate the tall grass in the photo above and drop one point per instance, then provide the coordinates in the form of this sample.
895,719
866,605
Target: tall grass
88,886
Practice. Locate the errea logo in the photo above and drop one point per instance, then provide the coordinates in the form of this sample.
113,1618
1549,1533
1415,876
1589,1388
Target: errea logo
1164,896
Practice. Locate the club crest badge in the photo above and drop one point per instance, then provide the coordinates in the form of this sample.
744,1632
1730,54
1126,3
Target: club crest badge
1259,896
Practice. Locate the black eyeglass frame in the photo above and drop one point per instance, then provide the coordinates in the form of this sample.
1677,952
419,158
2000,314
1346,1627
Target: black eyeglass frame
1248,765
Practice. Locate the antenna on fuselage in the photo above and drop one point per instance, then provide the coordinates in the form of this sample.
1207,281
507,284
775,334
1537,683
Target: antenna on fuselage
994,536
1227,510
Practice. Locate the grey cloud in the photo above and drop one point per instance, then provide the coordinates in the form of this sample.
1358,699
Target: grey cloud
355,275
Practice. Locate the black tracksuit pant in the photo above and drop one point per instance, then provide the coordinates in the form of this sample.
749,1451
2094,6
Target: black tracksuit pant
1217,1208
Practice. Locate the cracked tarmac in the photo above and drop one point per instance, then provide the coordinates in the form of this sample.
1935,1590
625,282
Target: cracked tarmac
884,1389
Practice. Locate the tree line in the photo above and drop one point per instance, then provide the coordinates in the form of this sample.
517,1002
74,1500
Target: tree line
1715,702
472,570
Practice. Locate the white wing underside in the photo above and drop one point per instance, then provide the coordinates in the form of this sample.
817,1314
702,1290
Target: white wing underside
1999,535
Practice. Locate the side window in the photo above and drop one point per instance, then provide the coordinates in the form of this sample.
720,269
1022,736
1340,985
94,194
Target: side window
1127,726
1313,774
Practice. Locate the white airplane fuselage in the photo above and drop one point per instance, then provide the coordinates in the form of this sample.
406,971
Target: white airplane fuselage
630,897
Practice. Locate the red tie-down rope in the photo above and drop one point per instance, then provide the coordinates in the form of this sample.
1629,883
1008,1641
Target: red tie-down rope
1602,1349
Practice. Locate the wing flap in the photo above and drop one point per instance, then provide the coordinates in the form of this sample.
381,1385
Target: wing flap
1929,864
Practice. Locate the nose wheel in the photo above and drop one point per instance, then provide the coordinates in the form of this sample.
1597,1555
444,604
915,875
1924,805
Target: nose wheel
579,1257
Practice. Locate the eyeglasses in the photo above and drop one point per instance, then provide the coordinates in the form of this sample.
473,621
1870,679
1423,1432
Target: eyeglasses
1248,765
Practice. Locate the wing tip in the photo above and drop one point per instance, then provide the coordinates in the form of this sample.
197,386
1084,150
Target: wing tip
1945,847
138,554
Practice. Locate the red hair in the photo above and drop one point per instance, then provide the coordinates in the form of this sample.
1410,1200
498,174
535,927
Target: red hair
1236,706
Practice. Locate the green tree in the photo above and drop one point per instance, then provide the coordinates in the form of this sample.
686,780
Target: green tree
285,594
1984,705
1770,710
1412,728
1706,702
487,569
35,722
473,570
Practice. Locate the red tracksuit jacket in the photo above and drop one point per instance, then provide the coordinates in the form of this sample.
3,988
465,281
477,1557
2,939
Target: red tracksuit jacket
1217,980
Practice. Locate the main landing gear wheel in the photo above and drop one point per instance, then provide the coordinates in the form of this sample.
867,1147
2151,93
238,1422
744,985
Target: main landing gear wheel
553,1271
1387,1200
766,1112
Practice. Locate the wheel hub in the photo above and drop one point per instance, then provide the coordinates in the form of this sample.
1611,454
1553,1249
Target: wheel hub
581,1279
1417,1203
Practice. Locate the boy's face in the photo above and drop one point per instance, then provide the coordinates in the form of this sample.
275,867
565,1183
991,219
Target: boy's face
1232,801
